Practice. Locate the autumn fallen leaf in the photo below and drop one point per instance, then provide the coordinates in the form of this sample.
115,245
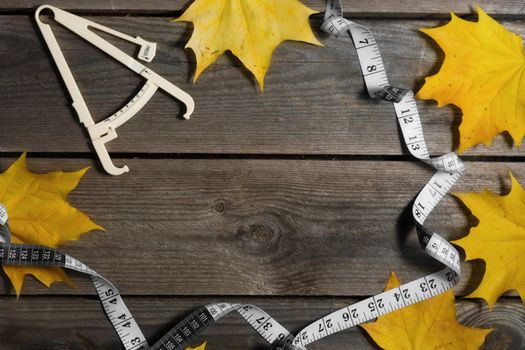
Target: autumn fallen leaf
250,29
427,325
483,74
200,347
498,239
40,214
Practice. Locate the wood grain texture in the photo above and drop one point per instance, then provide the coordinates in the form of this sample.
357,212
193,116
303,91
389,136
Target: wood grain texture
298,237
261,227
314,102
362,7
60,327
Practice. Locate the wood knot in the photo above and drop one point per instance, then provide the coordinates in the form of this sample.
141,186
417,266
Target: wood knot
264,233
220,205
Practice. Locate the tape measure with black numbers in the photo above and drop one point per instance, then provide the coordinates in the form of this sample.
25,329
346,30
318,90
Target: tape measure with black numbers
120,317
449,169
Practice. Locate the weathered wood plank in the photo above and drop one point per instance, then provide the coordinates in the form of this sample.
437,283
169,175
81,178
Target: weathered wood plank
362,7
314,102
156,315
261,227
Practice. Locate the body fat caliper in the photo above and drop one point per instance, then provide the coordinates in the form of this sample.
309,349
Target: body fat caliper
105,130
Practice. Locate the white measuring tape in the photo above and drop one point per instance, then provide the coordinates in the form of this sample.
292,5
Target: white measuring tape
449,169
120,317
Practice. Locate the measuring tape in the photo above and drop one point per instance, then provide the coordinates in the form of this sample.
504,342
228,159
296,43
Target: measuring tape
449,169
120,317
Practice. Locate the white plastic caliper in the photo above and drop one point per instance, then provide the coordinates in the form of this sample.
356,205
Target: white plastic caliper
105,131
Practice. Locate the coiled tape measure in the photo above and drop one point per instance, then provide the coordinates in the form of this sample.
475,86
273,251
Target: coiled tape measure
449,169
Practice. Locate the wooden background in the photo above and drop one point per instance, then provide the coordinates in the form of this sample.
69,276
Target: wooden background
296,200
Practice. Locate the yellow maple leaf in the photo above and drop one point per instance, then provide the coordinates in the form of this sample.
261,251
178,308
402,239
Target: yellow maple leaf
250,29
483,75
40,214
427,325
498,239
200,347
